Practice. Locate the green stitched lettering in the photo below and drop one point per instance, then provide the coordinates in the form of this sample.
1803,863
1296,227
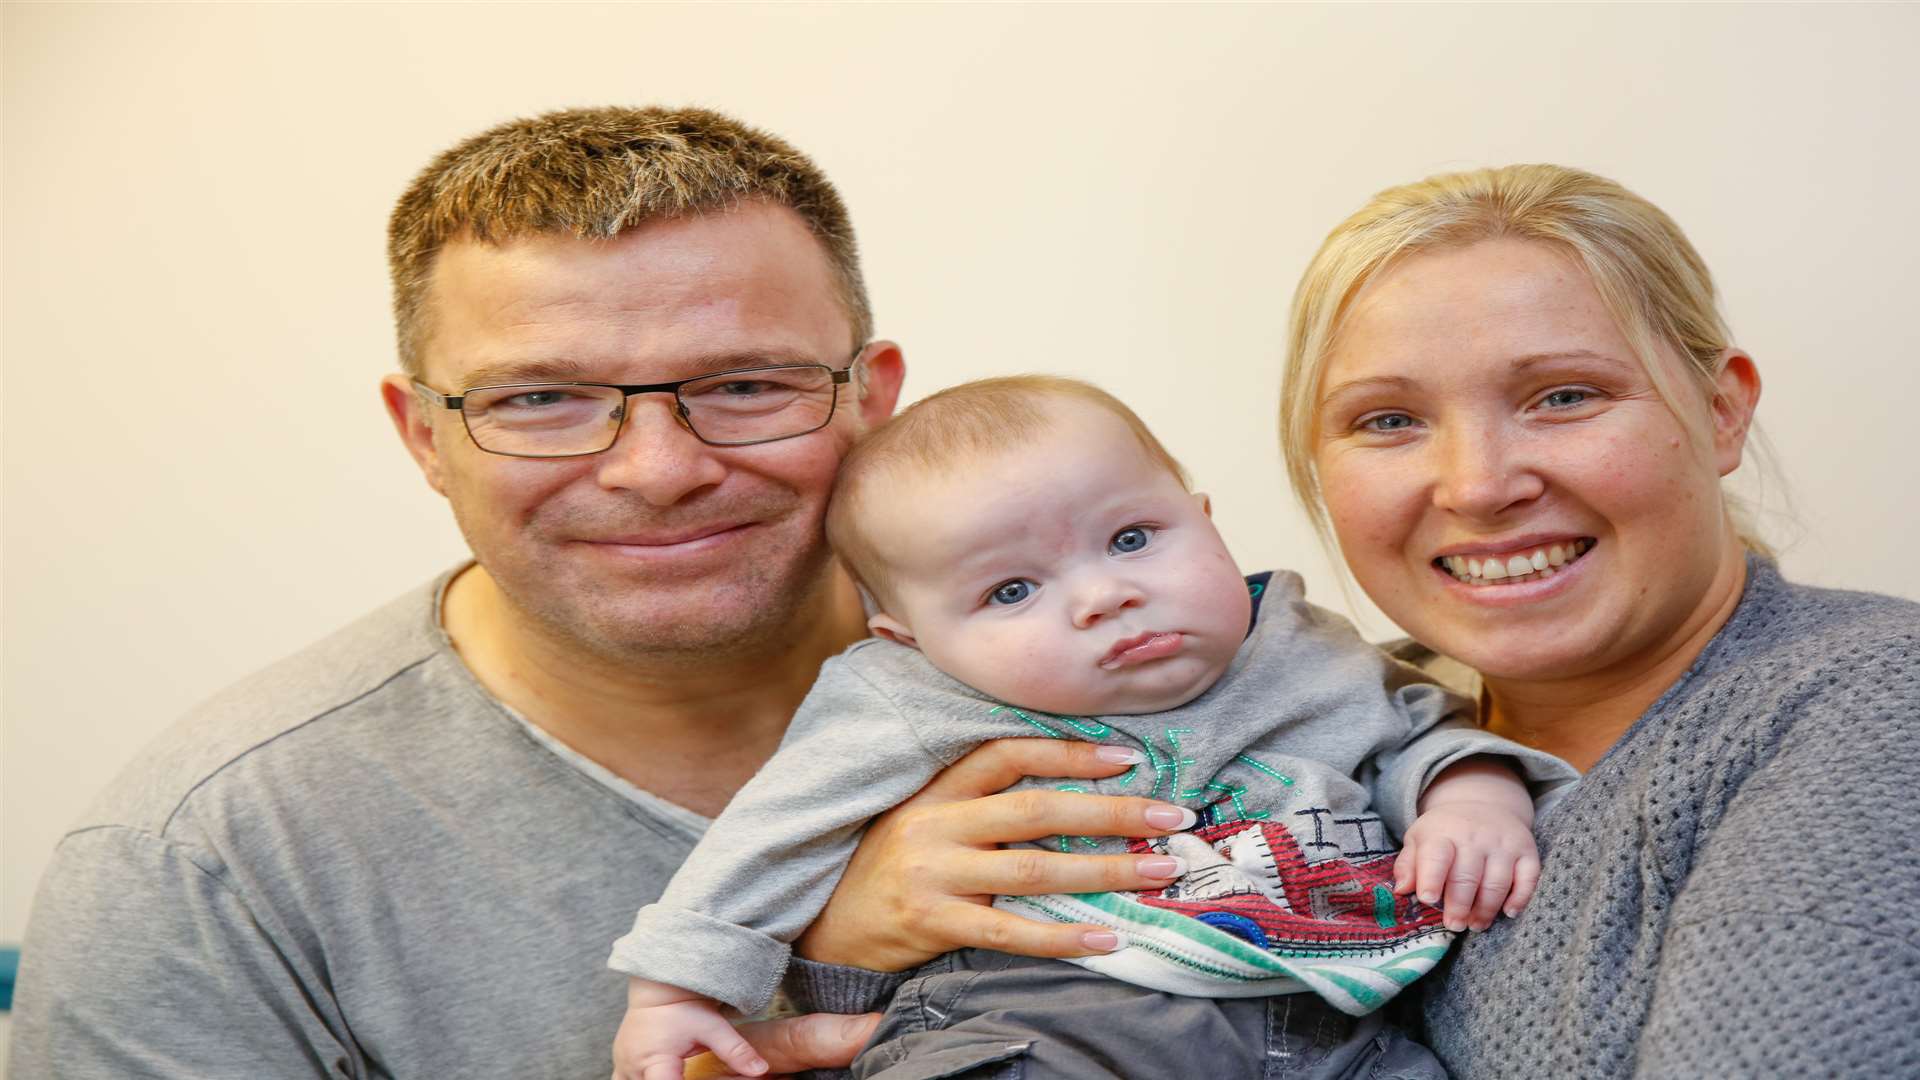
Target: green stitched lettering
1244,759
1044,729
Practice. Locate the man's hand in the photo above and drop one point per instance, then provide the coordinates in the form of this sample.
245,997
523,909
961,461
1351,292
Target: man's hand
796,1044
1472,847
926,872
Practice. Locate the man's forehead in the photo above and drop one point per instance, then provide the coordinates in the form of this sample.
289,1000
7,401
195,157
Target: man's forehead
751,284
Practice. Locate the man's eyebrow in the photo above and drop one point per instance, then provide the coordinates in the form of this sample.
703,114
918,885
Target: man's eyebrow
509,372
506,373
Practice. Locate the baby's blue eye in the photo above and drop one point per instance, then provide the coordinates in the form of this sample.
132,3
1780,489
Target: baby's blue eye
1129,539
1011,592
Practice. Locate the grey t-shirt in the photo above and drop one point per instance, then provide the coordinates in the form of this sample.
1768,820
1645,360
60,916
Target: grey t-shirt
353,864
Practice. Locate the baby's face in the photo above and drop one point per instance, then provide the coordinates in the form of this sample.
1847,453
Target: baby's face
1074,576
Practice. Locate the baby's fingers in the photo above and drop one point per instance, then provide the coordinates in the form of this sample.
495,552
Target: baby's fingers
1495,883
1463,886
1526,878
730,1047
1403,869
1431,862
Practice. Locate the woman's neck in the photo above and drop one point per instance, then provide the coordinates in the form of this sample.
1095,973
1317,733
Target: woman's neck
1579,719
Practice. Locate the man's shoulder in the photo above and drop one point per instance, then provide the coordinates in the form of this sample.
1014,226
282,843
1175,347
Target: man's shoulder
352,668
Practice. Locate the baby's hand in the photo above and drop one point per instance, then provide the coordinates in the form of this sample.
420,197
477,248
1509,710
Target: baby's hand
1472,846
1479,858
665,1025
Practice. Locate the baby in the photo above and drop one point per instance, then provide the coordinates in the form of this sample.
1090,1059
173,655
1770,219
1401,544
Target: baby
1041,568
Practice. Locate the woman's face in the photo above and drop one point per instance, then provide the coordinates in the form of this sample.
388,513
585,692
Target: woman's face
1503,478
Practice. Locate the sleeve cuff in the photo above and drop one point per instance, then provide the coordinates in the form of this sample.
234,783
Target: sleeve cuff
831,988
732,964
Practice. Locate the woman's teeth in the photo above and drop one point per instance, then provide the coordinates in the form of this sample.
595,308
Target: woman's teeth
1521,566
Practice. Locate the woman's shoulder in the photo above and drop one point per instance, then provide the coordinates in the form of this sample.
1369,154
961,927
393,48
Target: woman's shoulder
1806,636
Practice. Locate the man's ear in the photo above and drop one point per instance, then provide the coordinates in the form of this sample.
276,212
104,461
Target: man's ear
1736,392
886,626
1206,504
408,411
878,374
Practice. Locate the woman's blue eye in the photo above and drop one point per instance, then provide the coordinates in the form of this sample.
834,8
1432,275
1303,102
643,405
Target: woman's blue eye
1562,399
1388,422
1011,592
1129,539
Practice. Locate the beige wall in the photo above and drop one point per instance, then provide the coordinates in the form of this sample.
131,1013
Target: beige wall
198,478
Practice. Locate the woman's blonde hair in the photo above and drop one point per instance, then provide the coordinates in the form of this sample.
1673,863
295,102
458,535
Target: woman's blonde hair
1651,279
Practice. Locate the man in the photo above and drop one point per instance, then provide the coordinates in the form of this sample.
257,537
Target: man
635,345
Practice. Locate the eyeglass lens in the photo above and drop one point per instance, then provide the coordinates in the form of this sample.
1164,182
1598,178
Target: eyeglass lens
729,408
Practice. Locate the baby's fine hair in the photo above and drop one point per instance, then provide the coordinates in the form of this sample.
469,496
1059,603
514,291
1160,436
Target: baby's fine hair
950,430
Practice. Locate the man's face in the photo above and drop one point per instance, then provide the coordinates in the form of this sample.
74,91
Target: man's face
661,543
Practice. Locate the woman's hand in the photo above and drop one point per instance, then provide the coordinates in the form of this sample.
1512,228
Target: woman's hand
926,872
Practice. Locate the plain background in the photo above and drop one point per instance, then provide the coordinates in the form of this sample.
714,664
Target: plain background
199,479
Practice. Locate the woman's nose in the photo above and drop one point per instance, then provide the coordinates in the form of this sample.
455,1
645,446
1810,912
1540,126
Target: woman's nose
1482,473
1102,598
657,457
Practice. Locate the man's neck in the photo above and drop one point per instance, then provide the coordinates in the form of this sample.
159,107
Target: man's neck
1580,719
690,732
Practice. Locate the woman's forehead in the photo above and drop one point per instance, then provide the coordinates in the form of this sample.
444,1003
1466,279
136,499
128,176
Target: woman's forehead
1499,301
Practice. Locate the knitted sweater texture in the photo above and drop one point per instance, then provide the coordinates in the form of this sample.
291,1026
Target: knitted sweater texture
1734,889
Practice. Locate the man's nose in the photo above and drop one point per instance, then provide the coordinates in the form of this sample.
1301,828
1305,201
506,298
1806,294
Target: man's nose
1483,471
1102,597
657,457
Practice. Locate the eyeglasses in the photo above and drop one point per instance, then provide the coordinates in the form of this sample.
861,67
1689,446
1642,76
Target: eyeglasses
741,407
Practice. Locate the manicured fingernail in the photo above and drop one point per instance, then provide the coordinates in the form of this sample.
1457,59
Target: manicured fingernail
1171,817
1104,940
1161,866
1120,755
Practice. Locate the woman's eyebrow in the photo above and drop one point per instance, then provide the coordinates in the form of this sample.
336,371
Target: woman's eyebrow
1353,386
1520,363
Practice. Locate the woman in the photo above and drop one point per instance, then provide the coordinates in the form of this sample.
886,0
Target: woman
1511,398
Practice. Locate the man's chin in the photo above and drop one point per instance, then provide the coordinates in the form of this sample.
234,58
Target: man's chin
707,615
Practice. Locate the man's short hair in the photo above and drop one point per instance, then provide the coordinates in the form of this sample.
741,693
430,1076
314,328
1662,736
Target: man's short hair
594,173
949,431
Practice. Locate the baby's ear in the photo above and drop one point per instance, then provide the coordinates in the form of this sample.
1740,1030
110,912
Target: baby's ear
1206,504
886,626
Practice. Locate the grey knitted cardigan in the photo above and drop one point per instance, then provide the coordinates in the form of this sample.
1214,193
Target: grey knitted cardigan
1734,890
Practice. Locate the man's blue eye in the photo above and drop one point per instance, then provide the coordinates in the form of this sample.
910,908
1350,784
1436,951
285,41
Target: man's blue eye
1129,539
1011,592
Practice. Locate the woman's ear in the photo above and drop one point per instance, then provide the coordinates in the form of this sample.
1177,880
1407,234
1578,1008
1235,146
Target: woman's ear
1736,391
886,626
